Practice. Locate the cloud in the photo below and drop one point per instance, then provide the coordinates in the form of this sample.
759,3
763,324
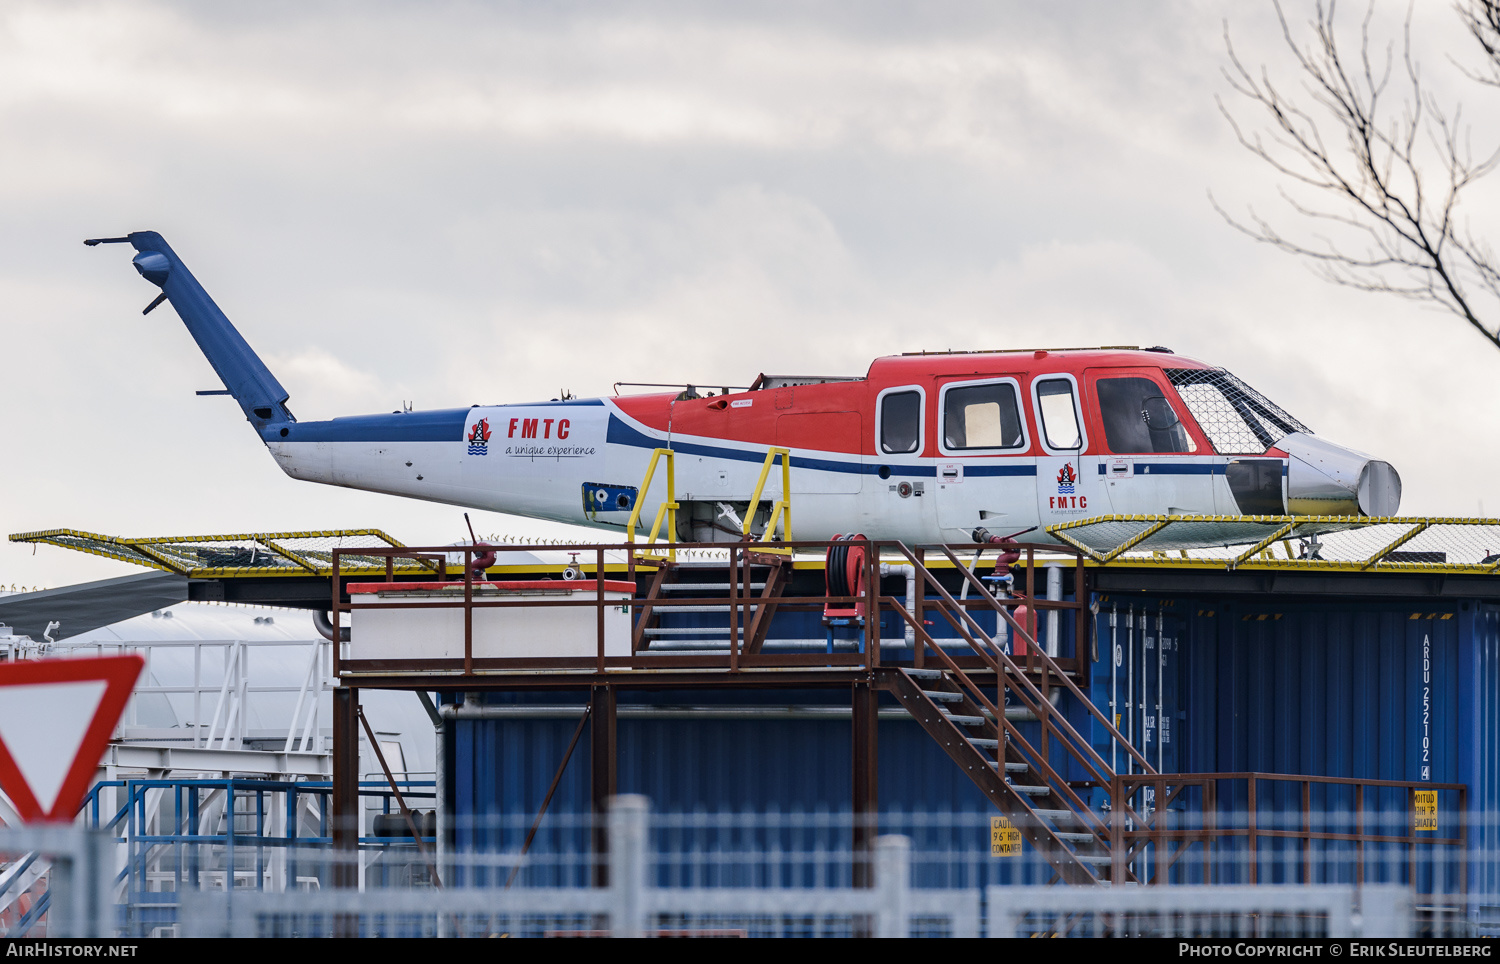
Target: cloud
321,383
457,203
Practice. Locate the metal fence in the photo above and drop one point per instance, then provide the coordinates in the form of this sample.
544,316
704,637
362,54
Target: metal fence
237,868
746,902
1318,911
636,873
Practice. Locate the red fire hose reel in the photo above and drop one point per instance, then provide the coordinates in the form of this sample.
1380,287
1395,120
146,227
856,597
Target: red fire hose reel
844,572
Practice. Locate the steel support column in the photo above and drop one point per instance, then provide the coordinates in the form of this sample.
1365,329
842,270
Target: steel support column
345,815
603,773
866,773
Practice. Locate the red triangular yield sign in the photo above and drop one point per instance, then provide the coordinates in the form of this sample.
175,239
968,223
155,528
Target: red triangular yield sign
56,716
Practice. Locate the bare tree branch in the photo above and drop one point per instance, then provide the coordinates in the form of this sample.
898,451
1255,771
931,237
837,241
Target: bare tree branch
1482,17
1372,154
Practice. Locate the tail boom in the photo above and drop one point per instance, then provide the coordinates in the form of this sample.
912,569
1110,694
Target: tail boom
246,377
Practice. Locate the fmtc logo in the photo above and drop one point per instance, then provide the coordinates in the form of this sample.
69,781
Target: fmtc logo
1067,481
1066,478
479,437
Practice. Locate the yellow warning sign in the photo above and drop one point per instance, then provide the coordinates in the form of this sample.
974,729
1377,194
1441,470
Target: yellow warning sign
1424,811
1005,839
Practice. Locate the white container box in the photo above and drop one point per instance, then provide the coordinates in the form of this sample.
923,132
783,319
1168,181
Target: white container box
434,628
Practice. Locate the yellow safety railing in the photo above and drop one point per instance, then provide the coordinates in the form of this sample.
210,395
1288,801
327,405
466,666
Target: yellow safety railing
781,509
259,554
666,511
1343,543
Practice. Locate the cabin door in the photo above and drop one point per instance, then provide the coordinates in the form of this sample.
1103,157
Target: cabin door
983,476
1151,463
1069,486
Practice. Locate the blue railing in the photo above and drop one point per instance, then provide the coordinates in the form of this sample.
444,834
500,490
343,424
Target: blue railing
227,833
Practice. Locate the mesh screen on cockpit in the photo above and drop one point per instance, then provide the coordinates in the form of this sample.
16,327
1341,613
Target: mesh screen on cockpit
1237,419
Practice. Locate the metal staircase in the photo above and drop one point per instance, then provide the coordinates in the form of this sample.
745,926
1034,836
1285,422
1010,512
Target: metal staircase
756,580
1065,831
998,717
1030,780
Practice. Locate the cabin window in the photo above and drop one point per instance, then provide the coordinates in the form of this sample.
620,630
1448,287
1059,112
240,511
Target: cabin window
1138,418
1237,419
982,417
1054,400
900,423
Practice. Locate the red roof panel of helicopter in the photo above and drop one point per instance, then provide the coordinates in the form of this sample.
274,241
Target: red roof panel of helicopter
839,416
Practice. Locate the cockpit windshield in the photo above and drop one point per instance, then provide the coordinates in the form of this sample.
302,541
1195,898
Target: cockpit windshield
1237,419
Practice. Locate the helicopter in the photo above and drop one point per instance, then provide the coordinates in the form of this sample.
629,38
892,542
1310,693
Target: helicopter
922,448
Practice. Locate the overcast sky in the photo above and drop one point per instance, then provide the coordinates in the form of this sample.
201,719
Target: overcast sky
456,203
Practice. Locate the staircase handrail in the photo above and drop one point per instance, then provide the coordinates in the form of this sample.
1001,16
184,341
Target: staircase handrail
1047,662
1026,687
1009,729
1032,697
1085,753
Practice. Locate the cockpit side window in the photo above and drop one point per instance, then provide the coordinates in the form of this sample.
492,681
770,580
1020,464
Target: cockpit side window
1138,418
900,422
982,417
1237,419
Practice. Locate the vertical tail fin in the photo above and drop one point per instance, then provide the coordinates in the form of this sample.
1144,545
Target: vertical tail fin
245,376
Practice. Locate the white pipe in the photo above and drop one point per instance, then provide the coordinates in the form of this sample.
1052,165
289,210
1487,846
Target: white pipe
911,605
963,590
1054,594
905,568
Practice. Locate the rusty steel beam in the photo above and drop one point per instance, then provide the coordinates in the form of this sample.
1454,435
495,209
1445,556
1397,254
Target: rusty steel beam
345,815
603,773
866,778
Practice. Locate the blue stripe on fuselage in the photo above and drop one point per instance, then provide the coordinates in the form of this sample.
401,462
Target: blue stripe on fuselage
442,425
1173,468
971,469
620,433
437,425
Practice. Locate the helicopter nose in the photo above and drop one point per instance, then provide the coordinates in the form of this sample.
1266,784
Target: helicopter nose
1328,479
